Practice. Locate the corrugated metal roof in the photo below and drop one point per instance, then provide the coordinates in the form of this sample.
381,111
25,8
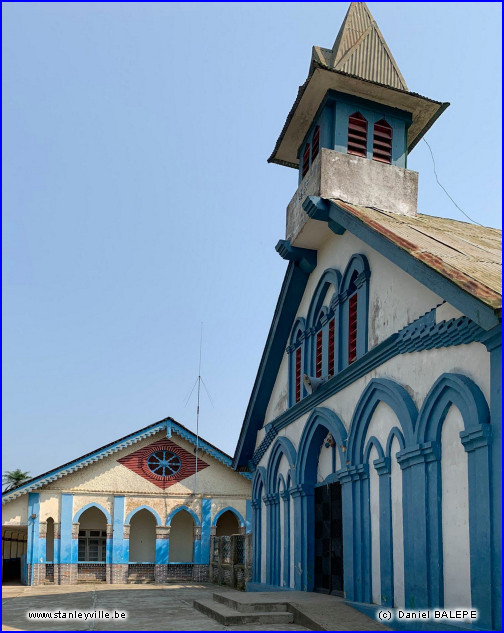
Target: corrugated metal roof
467,254
361,50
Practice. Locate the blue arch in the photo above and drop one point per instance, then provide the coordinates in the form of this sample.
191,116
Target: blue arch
181,508
320,422
330,277
394,433
143,507
373,441
357,263
92,505
398,399
298,331
451,389
230,509
259,479
282,446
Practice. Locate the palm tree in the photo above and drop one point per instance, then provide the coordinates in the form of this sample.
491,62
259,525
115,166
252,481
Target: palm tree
13,478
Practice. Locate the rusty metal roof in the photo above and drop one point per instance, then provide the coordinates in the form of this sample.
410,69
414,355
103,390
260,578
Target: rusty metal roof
360,50
468,255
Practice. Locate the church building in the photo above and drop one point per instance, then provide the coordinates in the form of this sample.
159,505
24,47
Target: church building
373,431
140,509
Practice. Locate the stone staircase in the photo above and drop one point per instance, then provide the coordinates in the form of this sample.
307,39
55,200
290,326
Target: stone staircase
230,612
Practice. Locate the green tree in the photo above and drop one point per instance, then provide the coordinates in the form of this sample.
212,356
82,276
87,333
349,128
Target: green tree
13,478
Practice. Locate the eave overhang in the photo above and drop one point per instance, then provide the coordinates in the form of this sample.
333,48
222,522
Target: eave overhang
321,79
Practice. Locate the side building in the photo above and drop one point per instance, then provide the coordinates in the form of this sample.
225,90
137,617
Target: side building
373,431
142,508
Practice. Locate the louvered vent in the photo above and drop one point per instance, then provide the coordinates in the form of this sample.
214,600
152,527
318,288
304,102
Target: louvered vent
357,135
298,374
352,328
330,353
382,142
306,160
318,355
315,143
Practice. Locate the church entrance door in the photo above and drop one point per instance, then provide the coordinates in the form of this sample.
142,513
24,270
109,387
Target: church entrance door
328,539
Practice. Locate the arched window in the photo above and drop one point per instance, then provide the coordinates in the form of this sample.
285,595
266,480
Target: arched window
50,540
357,134
382,142
354,296
352,318
306,160
92,536
315,143
296,363
181,538
227,524
142,540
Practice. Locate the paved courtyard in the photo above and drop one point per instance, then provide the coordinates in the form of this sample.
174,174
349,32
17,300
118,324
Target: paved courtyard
149,607
164,608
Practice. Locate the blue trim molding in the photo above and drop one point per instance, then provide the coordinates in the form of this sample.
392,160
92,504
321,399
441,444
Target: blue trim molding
184,508
233,511
105,512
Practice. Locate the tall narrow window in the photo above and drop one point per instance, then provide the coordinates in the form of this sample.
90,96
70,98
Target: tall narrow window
330,351
357,135
315,143
306,160
352,319
298,374
318,355
382,142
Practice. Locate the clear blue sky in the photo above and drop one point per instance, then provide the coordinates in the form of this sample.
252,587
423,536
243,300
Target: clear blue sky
138,202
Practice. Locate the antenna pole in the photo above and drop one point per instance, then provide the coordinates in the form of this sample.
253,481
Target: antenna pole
197,412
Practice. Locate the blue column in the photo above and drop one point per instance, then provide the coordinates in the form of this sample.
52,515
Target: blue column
286,538
66,528
118,531
268,500
347,503
494,346
476,442
304,536
32,545
248,517
364,543
256,535
206,525
416,576
162,544
386,546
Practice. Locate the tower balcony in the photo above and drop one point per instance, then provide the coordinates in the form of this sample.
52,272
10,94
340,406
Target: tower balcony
353,179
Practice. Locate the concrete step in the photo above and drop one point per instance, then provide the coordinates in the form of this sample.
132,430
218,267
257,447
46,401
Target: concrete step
249,607
229,617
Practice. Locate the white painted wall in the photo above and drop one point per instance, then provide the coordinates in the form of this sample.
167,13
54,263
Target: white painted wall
15,512
142,541
374,505
455,513
325,462
397,525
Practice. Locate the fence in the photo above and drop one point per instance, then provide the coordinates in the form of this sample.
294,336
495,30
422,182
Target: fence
231,560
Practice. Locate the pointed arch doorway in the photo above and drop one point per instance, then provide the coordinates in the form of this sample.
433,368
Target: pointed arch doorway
328,526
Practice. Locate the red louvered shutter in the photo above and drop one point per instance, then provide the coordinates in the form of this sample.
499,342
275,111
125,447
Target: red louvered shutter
298,374
352,328
357,135
315,143
330,355
306,160
382,142
318,356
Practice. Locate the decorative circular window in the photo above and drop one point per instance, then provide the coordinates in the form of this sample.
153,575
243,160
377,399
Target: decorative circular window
164,463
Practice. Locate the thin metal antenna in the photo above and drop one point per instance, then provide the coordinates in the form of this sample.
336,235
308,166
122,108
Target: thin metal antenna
197,412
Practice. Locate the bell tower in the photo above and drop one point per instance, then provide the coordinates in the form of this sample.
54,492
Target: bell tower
351,129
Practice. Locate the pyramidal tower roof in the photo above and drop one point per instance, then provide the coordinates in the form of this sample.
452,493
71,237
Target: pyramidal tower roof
360,50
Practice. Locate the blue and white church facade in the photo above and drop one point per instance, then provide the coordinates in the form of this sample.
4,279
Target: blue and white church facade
373,431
